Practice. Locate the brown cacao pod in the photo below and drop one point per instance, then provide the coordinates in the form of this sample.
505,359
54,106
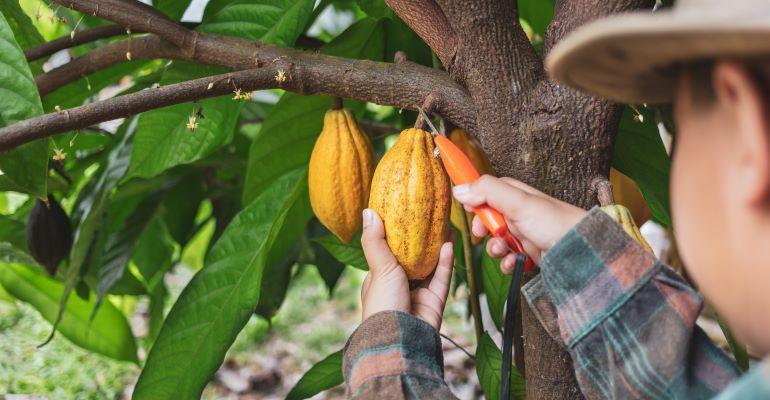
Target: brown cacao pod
472,148
49,234
411,192
341,168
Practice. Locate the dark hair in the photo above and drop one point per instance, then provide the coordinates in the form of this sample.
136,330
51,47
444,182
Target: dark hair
701,75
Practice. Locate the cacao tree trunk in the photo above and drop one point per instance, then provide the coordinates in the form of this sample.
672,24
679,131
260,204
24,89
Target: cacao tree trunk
544,134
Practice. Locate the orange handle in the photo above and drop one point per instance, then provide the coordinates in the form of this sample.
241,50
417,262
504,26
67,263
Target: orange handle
461,171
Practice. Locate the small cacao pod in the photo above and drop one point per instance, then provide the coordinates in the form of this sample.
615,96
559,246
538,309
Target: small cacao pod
49,234
411,192
340,175
472,148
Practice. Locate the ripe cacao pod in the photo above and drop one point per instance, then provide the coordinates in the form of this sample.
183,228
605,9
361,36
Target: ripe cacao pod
623,216
411,192
472,148
627,193
618,212
49,234
340,175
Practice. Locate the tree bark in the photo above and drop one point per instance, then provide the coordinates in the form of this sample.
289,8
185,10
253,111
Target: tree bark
544,134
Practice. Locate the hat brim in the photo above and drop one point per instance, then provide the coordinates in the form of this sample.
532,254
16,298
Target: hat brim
633,58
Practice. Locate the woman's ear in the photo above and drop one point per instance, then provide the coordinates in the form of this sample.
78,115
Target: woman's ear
741,97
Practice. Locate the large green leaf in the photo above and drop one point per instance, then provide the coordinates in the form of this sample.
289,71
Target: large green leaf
163,139
489,361
108,333
219,300
347,253
27,165
287,136
270,21
173,8
496,285
324,375
639,154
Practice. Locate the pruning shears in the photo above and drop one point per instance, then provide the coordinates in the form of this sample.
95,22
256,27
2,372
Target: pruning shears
461,171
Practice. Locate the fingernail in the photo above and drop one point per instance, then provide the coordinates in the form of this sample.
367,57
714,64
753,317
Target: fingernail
367,217
461,189
498,248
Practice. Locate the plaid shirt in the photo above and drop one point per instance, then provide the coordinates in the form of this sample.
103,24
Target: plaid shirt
627,320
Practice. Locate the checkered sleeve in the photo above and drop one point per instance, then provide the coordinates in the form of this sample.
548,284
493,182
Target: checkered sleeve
627,320
394,355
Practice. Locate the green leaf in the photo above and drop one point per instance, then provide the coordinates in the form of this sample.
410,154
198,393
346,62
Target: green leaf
13,232
496,285
24,31
173,8
270,21
538,13
348,253
180,206
737,348
489,360
219,300
27,165
90,212
162,137
375,8
639,154
324,375
108,333
152,255
287,136
285,141
328,267
120,246
12,254
282,257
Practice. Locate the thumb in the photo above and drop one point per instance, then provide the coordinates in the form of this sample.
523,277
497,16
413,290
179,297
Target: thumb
376,249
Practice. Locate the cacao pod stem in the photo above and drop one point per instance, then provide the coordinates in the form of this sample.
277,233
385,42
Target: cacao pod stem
603,189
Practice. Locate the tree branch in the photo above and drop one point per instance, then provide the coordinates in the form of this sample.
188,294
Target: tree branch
404,85
429,22
143,48
74,39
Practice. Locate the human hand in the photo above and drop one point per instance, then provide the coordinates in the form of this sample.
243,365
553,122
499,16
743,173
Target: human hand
537,219
386,287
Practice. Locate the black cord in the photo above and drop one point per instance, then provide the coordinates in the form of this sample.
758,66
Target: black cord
510,317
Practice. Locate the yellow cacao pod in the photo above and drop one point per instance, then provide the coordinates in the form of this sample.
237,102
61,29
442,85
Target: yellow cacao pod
623,216
411,192
340,175
627,193
472,148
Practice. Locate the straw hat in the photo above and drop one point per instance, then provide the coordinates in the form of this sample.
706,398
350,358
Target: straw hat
633,58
